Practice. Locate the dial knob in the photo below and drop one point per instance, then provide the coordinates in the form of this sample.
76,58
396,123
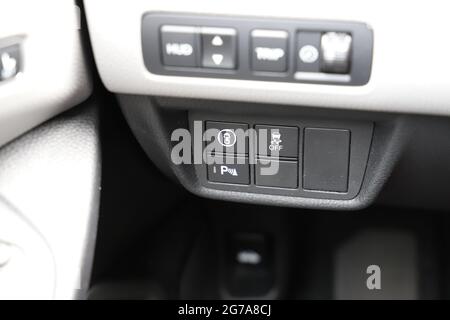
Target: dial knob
336,49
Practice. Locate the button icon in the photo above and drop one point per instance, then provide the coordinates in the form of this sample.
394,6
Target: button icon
226,137
217,41
308,54
269,54
217,58
275,141
179,49
224,170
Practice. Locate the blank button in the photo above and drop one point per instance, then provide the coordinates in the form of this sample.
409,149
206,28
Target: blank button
277,174
326,159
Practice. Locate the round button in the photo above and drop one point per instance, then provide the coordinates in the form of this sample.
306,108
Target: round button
308,54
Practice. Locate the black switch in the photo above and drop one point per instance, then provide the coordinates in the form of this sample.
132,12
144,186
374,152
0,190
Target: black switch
269,50
9,62
326,159
277,174
308,51
234,170
277,139
179,46
219,48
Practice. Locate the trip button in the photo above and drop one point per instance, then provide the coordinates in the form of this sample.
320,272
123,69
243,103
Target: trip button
179,46
234,170
269,50
219,48
277,141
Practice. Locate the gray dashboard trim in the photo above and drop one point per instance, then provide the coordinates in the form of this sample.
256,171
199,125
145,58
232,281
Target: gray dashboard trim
51,175
404,78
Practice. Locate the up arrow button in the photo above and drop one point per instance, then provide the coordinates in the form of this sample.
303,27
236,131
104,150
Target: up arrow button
219,48
217,41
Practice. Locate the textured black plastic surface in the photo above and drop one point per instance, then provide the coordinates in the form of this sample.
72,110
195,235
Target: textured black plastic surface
359,151
152,121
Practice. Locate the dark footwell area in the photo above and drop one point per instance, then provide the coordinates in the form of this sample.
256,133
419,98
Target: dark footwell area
207,249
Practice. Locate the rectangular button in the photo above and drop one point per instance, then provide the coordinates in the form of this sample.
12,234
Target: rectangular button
269,50
326,159
233,170
308,51
219,48
179,46
279,174
227,137
273,139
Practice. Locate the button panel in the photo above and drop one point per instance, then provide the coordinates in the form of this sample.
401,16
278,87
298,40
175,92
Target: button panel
275,162
321,52
330,160
316,161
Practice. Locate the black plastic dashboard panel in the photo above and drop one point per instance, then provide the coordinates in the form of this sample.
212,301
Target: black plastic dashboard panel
153,119
361,138
360,56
